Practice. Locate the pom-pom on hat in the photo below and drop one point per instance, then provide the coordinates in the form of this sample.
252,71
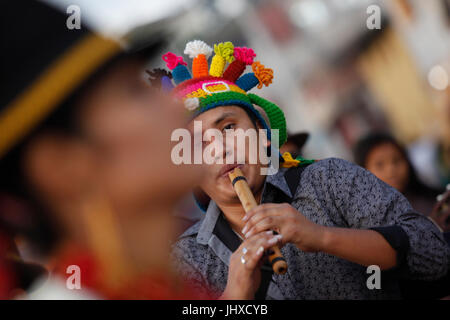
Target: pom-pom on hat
223,84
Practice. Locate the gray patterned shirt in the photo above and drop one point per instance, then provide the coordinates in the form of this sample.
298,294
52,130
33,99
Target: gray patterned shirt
336,193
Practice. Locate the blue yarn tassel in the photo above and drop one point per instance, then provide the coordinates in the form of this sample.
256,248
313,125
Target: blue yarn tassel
180,74
247,82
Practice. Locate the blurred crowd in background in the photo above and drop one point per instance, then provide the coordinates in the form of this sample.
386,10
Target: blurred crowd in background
335,79
378,97
338,81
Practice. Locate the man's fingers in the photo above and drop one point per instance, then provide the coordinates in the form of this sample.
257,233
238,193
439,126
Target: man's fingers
257,217
255,247
260,214
256,240
267,223
253,257
261,208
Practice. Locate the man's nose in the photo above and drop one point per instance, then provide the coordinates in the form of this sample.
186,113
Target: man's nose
230,149
216,143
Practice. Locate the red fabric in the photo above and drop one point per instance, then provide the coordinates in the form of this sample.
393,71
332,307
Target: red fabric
151,286
8,279
90,270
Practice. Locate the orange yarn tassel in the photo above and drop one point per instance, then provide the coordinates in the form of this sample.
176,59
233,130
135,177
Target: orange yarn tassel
264,75
200,66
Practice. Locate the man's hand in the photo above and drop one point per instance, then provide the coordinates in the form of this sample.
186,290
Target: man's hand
288,222
244,274
365,247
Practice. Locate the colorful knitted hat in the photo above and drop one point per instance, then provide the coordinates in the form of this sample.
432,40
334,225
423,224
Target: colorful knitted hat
219,86
222,85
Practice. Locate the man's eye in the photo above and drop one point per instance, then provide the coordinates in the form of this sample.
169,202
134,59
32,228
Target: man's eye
229,126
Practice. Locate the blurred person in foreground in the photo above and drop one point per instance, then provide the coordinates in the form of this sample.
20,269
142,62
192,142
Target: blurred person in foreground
332,218
85,161
387,159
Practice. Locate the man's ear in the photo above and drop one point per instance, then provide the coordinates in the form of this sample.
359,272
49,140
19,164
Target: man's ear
59,167
266,141
260,126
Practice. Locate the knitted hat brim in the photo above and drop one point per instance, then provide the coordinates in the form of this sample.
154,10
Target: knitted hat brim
224,100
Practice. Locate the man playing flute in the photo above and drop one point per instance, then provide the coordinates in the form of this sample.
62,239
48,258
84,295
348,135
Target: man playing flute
332,218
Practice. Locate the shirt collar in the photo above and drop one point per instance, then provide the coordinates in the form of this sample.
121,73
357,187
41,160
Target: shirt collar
208,224
278,180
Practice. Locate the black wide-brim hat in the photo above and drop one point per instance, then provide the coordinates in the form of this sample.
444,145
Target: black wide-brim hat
44,63
299,139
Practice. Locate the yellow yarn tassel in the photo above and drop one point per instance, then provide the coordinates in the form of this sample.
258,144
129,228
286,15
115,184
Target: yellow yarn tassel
223,54
289,162
217,66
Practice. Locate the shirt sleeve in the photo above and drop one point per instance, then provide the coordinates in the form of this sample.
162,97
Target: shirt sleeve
181,262
365,202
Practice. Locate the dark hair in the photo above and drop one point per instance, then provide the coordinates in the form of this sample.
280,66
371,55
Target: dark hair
373,140
155,76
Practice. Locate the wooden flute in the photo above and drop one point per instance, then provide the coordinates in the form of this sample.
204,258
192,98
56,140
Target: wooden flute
248,201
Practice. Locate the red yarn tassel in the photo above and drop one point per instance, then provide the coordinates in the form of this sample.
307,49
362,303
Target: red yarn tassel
234,70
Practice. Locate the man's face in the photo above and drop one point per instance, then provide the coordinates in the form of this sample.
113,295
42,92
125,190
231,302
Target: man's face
217,183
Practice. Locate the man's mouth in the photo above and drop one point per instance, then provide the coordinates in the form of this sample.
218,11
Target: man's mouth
228,168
